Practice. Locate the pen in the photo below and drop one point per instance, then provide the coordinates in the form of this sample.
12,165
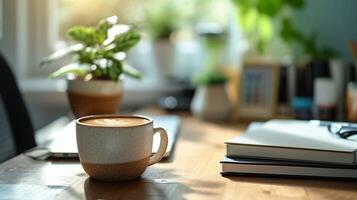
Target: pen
341,129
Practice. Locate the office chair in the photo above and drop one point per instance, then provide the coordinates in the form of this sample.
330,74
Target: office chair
16,131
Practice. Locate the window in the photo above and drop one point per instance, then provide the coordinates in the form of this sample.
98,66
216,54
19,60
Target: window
89,12
40,25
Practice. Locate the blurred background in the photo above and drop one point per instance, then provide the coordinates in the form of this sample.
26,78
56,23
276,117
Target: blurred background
310,43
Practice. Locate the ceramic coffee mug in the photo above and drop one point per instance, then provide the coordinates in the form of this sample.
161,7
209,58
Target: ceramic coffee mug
113,151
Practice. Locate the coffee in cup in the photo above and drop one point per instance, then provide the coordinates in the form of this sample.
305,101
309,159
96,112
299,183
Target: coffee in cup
117,147
116,122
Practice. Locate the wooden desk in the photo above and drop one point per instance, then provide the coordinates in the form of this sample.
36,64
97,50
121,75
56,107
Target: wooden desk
192,173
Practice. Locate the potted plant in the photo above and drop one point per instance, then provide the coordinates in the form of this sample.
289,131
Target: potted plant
162,22
94,78
211,100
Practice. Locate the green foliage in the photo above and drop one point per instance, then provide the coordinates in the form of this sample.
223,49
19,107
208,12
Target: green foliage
61,53
210,77
256,18
271,7
123,42
127,69
308,42
161,26
163,17
103,27
96,54
78,70
85,35
295,3
160,20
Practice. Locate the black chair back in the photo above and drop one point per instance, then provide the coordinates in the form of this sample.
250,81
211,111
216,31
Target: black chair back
16,131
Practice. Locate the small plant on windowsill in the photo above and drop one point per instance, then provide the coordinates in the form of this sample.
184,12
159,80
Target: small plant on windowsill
210,78
94,78
211,99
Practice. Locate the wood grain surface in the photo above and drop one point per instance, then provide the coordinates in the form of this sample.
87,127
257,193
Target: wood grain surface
193,172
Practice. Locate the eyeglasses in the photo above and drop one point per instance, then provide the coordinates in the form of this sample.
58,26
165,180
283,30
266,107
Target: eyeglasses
342,130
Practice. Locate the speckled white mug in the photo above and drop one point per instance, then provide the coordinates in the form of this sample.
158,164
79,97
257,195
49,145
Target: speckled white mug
117,153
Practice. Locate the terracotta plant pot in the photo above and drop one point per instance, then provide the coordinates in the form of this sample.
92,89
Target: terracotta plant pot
94,96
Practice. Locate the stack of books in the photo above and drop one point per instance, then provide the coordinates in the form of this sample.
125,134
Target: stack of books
290,148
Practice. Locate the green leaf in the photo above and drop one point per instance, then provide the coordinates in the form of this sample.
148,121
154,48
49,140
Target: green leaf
130,71
307,42
327,52
112,74
269,7
210,77
73,68
265,27
261,45
289,33
243,5
85,35
296,3
88,55
124,41
114,71
97,72
103,26
61,53
248,20
265,32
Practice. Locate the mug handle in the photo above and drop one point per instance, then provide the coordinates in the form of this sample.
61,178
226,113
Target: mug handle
162,148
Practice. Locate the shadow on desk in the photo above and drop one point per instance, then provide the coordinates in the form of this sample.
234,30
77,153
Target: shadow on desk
138,189
156,183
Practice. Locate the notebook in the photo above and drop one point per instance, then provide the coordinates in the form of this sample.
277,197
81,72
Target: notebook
256,167
65,145
295,141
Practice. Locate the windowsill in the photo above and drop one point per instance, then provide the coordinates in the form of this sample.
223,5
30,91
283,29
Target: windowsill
42,85
43,91
47,85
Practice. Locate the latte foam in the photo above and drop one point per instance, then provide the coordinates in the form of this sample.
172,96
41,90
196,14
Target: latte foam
116,122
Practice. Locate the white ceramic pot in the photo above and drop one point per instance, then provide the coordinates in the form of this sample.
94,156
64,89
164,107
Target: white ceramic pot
211,103
94,96
164,51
